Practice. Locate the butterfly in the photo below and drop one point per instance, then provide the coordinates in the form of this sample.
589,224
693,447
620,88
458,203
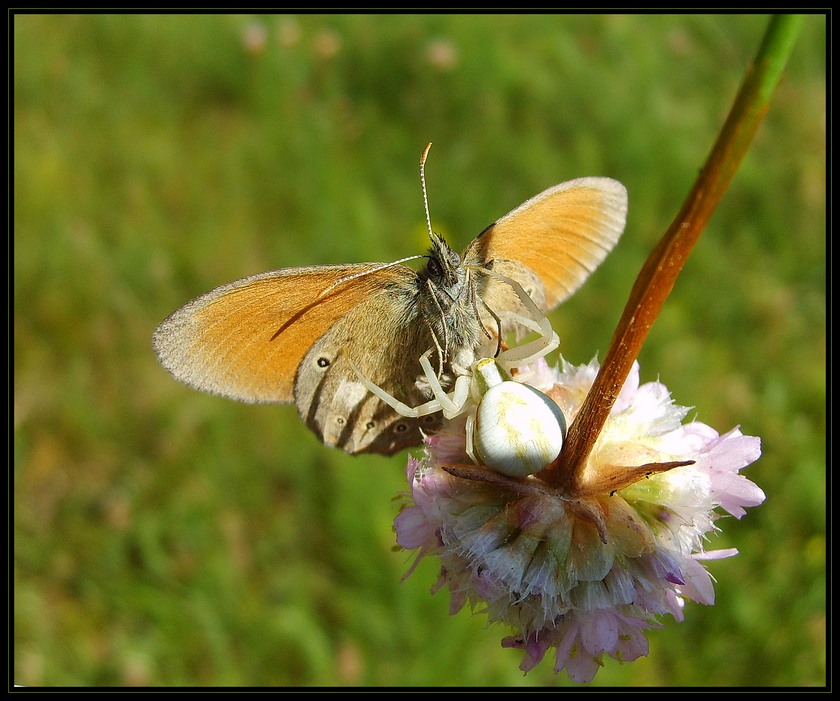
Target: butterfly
304,334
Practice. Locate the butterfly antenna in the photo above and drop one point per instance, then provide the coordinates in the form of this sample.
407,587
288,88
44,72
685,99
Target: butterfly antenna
369,271
423,185
401,260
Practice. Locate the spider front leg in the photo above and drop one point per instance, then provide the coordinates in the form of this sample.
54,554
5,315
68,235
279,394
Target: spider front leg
533,350
451,405
527,353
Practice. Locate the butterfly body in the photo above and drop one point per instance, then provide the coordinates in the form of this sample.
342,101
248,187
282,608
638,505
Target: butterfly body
293,335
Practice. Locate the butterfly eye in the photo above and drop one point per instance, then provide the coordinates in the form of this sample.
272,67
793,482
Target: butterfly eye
434,268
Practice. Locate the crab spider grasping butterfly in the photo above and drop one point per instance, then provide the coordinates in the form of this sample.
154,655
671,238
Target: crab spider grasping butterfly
511,427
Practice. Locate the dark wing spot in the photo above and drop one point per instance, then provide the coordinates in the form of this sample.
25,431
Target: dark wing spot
323,362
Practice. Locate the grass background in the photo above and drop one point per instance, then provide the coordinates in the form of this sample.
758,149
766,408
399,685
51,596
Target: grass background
166,537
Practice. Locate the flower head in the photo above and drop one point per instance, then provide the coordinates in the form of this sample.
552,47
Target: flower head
583,567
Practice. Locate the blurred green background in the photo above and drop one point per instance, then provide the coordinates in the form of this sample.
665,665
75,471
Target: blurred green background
166,537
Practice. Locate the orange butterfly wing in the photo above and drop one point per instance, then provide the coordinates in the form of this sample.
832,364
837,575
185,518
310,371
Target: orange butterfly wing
563,234
245,340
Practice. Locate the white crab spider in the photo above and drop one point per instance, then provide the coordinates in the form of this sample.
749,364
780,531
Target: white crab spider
511,427
515,429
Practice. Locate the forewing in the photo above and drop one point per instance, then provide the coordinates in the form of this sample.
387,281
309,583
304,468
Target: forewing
245,340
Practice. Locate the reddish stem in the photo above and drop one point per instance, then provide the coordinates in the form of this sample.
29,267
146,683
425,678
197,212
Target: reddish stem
659,273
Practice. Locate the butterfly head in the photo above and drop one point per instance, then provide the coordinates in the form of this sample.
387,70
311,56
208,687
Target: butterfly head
444,272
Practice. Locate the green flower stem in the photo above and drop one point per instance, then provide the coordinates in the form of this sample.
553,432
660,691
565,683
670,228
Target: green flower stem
659,273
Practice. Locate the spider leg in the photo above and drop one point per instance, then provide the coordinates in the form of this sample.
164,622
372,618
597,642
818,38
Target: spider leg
469,438
527,353
533,350
452,404
401,408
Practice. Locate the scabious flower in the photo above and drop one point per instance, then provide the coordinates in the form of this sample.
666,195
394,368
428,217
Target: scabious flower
583,569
